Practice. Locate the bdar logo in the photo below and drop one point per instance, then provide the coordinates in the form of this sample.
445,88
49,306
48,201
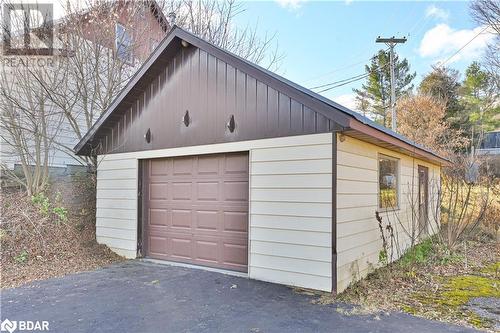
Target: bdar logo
8,325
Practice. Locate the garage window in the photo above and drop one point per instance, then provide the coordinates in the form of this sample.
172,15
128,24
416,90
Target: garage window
388,182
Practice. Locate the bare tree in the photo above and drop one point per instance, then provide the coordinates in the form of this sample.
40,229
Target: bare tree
487,12
466,195
422,119
29,123
214,21
50,108
95,72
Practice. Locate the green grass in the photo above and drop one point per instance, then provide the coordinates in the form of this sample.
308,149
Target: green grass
418,254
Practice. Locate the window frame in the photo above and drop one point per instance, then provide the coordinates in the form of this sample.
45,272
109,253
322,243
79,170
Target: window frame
398,177
130,59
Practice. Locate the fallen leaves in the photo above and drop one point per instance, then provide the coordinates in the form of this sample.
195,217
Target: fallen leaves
34,247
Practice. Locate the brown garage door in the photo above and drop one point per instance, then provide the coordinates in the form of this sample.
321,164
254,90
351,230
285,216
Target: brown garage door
197,210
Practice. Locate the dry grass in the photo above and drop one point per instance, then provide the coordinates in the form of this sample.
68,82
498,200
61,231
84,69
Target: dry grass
437,287
438,277
38,244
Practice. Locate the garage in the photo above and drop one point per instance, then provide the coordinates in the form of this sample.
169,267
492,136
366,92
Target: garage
242,170
196,210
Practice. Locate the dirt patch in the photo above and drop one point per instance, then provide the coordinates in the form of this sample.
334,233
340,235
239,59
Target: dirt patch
438,286
50,235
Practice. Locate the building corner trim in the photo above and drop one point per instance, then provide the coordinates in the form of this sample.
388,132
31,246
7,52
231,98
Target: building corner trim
334,212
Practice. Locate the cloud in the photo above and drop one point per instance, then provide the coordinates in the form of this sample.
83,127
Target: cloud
291,4
348,2
347,100
436,12
442,41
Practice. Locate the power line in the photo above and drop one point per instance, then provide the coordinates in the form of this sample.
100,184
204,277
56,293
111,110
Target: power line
348,80
338,69
335,82
343,68
343,84
463,47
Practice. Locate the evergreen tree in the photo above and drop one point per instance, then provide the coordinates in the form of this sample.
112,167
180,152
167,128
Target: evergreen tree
443,84
375,94
480,98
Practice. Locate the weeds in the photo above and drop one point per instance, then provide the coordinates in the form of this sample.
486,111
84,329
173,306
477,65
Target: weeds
418,254
382,257
61,213
43,204
22,257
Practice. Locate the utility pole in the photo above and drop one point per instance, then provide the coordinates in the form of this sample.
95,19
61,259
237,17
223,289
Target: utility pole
391,43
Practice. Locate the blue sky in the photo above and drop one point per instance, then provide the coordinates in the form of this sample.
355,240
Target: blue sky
326,41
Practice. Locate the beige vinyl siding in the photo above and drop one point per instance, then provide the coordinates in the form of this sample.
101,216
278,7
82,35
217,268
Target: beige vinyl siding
290,215
116,206
358,237
290,205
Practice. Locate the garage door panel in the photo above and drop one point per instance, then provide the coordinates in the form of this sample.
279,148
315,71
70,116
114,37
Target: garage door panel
235,255
198,210
208,190
159,231
207,251
181,190
236,222
236,191
182,166
181,218
181,247
158,245
159,167
158,191
208,165
158,217
207,220
236,164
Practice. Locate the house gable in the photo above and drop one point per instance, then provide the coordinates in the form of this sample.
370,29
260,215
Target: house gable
210,90
282,108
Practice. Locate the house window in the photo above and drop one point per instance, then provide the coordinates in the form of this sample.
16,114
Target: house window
123,44
388,182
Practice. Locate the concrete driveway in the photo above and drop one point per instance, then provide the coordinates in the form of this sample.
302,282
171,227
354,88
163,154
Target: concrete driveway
136,296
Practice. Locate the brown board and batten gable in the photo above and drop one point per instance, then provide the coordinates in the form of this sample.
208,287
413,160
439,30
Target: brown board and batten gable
187,75
211,87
